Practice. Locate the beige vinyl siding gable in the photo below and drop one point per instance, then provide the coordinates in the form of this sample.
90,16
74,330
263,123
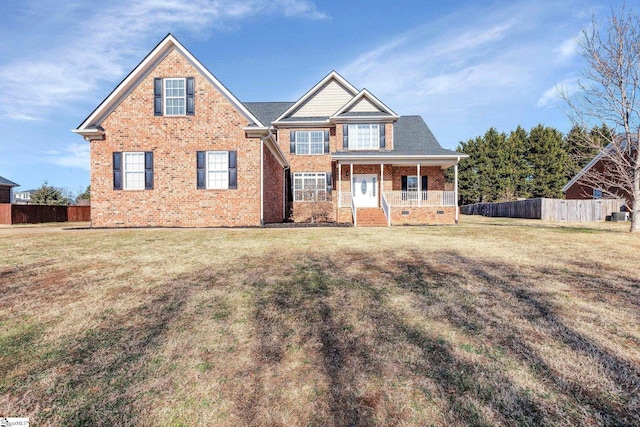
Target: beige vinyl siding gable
325,102
364,106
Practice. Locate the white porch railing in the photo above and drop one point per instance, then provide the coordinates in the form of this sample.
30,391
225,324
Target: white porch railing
344,199
422,198
386,209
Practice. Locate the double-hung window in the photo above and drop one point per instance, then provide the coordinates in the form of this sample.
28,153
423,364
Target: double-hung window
309,142
174,97
217,170
133,170
310,187
364,137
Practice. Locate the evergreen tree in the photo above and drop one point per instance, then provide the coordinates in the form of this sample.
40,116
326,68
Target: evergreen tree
517,172
48,195
548,158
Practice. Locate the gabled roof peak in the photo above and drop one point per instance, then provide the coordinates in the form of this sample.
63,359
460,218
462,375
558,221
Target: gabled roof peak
149,62
332,76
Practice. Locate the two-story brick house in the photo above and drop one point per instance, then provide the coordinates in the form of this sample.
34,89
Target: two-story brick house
171,146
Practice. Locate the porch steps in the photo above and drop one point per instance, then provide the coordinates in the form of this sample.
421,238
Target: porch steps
371,217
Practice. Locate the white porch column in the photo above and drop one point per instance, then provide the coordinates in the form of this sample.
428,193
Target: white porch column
381,179
339,185
455,188
419,186
351,178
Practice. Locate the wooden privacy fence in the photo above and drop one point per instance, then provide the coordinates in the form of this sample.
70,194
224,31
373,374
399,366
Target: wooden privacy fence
35,214
558,210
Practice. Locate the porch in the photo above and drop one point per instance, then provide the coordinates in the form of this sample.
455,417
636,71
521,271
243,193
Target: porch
395,194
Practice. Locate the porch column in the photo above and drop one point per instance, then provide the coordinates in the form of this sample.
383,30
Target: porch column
455,188
339,185
419,185
381,179
351,178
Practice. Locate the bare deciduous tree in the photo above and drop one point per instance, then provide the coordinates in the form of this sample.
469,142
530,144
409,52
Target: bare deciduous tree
608,89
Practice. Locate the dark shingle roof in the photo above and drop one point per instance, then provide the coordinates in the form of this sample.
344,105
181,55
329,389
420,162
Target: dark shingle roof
267,112
6,183
411,135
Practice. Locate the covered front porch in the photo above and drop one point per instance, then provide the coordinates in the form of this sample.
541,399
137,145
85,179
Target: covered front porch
396,192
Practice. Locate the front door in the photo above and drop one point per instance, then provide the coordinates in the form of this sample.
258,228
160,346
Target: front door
365,190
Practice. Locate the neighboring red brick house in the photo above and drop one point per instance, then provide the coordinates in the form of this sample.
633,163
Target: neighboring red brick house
582,187
5,190
171,146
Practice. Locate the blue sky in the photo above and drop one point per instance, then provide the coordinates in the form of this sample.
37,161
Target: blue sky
464,66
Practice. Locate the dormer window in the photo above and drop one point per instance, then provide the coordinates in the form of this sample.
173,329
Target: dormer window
364,136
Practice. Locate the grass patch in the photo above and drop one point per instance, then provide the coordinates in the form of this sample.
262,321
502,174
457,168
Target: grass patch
493,322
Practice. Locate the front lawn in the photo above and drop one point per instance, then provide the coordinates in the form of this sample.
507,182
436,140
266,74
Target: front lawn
493,322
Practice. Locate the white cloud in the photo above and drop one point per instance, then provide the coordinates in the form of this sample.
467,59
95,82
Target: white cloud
569,48
110,36
480,66
74,155
564,89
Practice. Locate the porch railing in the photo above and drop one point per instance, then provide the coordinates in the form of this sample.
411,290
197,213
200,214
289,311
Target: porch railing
422,198
386,209
344,200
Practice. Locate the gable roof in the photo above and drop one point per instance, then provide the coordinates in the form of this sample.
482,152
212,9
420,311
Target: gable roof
334,77
364,96
91,125
267,112
4,182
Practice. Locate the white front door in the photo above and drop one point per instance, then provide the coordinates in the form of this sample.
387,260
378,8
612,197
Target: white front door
364,190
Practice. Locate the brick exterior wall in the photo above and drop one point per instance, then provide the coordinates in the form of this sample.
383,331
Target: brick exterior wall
442,215
273,188
309,211
175,200
583,191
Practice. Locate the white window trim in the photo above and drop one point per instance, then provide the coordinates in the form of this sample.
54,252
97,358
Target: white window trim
126,185
209,168
165,98
353,136
310,132
319,193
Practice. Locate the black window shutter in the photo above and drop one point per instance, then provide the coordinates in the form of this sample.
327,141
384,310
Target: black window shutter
233,170
326,142
200,167
353,185
423,187
157,96
404,183
290,187
382,138
292,138
345,136
373,187
329,182
117,171
191,107
148,170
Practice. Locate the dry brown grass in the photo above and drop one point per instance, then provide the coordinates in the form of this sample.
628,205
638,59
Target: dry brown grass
493,322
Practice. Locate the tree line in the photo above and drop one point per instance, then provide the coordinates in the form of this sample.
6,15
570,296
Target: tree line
524,164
